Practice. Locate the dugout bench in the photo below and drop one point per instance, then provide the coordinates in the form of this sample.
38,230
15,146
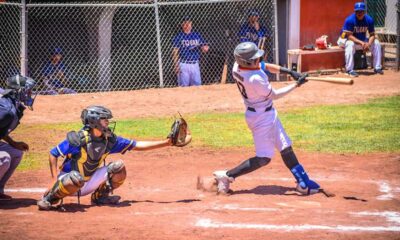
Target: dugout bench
300,52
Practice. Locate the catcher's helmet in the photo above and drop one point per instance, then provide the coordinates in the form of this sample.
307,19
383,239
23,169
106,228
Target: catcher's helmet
92,115
22,87
246,53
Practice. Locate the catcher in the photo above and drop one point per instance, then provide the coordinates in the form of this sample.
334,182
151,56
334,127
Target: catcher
84,170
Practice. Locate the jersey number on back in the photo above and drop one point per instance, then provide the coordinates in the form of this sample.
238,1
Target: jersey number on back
240,85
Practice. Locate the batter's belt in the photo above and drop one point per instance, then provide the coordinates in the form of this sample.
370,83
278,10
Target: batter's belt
254,110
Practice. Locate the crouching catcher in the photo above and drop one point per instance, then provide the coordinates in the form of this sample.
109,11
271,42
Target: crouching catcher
84,170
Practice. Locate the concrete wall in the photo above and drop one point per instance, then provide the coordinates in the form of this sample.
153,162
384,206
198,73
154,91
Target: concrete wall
320,17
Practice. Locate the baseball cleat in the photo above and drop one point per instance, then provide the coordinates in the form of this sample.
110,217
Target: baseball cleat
311,188
107,200
378,71
223,182
44,204
352,73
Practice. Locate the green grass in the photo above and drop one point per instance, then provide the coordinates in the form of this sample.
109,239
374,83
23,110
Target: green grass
361,128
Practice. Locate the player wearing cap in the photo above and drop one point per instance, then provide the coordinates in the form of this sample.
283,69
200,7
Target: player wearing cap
354,37
188,45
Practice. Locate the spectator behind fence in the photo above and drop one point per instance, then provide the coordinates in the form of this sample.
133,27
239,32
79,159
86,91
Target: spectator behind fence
55,75
186,54
253,31
354,37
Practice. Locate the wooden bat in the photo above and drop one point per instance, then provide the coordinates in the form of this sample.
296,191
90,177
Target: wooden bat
261,43
347,81
225,68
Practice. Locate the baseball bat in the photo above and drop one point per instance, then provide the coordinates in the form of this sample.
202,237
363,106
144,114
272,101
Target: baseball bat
347,81
225,68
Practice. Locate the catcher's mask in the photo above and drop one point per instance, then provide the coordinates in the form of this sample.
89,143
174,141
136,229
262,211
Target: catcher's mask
92,115
246,54
22,87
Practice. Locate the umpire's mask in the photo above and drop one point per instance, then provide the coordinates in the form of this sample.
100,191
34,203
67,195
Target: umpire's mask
23,87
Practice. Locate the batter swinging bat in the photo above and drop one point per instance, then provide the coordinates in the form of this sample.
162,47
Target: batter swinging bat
225,68
347,81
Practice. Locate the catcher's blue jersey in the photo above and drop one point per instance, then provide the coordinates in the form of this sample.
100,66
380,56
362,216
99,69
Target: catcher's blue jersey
65,149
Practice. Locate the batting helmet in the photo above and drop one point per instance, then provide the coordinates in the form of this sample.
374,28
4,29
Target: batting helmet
22,87
246,53
92,115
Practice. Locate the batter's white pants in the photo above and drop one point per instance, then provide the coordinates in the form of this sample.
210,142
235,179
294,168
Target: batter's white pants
268,132
189,74
350,48
99,177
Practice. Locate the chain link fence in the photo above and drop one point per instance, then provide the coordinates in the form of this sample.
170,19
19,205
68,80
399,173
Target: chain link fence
10,15
386,16
116,46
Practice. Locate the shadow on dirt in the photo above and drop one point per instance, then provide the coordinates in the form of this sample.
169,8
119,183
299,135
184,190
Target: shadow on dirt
16,203
268,190
75,207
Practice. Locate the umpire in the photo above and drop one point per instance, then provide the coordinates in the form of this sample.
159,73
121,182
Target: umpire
13,101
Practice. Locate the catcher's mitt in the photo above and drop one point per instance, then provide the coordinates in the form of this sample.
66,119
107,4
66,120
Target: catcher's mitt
179,133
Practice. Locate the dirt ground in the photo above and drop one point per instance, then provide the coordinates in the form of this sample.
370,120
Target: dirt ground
159,196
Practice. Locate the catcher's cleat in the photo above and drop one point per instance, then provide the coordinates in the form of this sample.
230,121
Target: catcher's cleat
223,182
43,204
106,200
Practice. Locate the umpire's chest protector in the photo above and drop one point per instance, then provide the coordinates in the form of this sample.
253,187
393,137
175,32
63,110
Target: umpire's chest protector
93,152
9,116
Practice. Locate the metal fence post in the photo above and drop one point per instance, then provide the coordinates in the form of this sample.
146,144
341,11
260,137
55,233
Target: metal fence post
398,36
160,65
24,40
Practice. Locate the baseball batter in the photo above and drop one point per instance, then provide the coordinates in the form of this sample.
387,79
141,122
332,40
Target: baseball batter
186,54
84,170
354,37
262,119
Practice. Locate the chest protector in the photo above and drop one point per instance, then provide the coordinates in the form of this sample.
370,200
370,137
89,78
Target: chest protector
93,152
15,114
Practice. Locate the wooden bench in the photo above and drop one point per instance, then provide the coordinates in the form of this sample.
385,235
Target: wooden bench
299,53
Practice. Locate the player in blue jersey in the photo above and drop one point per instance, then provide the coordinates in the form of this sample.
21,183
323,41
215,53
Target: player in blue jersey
354,37
188,45
84,170
253,31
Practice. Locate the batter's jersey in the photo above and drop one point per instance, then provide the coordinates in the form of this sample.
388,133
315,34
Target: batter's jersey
189,46
254,86
359,28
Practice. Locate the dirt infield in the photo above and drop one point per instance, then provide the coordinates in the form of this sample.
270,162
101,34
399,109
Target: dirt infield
159,198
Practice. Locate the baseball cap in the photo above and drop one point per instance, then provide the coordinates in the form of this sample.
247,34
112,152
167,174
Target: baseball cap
57,50
253,13
360,6
186,18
